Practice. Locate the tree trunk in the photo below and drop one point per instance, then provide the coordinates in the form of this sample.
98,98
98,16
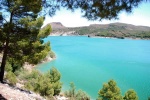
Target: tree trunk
2,68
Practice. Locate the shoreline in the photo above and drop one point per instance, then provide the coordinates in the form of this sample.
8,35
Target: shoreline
120,38
103,37
29,67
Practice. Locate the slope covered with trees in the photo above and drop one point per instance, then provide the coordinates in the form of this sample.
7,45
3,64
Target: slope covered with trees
116,30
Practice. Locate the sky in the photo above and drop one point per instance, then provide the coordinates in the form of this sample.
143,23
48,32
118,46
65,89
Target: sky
139,16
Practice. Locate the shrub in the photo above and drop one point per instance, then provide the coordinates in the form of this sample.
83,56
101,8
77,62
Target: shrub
130,95
110,91
11,77
8,67
81,95
47,84
51,54
73,95
43,86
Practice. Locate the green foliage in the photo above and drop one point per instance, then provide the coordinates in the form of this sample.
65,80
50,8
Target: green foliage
116,30
21,73
44,32
11,77
71,92
43,86
31,48
81,95
130,95
33,75
15,64
73,95
101,9
110,91
8,67
51,54
54,77
47,84
21,36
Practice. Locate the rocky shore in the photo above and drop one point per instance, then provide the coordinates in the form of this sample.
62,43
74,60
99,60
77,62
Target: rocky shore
8,92
29,67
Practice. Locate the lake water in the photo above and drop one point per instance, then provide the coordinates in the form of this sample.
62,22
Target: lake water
90,62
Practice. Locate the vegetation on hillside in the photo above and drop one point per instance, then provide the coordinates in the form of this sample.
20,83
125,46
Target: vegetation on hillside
116,30
49,85
72,94
110,91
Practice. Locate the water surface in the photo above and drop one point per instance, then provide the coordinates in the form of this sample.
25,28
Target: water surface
90,62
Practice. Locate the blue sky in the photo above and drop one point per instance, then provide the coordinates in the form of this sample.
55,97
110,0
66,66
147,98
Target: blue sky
139,16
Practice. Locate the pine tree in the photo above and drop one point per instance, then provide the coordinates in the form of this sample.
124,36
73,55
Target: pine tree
21,35
99,9
130,95
110,91
54,77
72,94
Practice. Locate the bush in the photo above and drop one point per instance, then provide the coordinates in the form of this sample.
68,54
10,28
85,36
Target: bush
110,91
8,67
130,95
47,84
54,77
43,86
73,95
51,54
81,95
20,72
11,77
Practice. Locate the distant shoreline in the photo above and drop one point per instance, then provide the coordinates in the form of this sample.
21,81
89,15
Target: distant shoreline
113,30
104,37
120,38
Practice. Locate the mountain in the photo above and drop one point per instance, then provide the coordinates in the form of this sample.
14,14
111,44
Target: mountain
116,30
57,25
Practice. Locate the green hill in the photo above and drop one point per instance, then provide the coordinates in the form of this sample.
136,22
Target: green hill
116,30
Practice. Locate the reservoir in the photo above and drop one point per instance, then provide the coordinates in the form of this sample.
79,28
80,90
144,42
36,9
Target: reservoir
91,62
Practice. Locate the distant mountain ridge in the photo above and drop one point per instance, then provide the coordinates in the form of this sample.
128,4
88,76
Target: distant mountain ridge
56,25
116,30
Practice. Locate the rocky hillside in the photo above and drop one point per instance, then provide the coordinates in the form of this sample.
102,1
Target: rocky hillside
8,92
57,25
14,93
118,30
59,30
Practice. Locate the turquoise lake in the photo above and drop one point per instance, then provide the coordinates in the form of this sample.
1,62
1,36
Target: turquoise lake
90,62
